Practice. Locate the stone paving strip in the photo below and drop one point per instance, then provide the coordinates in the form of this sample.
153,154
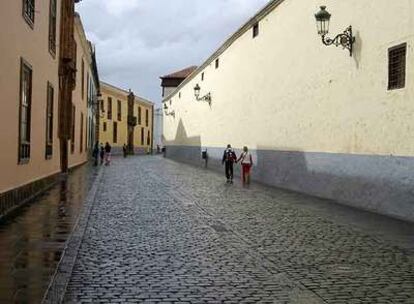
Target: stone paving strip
164,232
58,284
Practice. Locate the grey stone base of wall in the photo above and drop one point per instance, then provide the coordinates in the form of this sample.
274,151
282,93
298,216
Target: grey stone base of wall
137,151
381,184
12,200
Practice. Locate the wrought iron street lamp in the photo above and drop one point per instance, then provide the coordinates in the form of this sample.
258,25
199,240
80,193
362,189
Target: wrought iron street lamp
206,98
345,39
171,113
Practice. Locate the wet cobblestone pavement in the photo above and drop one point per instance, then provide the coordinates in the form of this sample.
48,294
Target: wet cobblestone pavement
31,241
165,232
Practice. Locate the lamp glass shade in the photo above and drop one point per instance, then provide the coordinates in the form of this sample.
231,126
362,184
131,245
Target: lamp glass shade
322,21
197,90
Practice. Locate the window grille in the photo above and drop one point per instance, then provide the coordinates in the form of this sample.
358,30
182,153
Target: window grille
115,135
25,111
119,111
397,66
72,133
29,11
256,30
49,121
109,108
52,26
139,115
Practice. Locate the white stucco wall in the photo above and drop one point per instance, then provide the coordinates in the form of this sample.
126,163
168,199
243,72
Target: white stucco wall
285,90
158,127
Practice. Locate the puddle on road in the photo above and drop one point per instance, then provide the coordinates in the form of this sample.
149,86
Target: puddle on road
31,242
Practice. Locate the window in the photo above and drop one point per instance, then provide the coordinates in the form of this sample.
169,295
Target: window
29,11
75,61
256,30
81,134
49,121
202,76
86,133
109,108
102,106
146,117
148,138
83,79
396,66
52,27
72,133
119,111
25,111
115,134
142,136
139,115
104,126
87,86
217,63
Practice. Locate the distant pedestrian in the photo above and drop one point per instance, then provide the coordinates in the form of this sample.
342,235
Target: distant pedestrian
95,153
229,158
102,153
107,154
125,150
158,149
246,161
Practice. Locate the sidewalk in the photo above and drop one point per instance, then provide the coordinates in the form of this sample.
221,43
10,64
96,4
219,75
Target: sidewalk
164,232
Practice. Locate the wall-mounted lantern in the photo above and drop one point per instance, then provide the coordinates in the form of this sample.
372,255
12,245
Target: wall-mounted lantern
206,98
171,113
345,39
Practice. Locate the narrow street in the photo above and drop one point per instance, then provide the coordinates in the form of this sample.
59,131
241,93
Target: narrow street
165,232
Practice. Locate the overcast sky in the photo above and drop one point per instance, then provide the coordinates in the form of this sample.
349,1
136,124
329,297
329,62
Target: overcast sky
137,41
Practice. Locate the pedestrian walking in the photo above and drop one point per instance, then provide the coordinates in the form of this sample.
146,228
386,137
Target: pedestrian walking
95,153
125,150
229,158
102,153
107,154
246,161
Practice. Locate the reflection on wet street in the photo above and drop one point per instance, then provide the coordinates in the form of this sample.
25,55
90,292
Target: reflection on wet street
32,241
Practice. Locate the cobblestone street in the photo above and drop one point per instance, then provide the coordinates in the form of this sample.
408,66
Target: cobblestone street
165,232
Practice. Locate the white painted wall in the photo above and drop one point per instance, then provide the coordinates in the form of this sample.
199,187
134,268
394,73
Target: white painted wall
284,90
158,127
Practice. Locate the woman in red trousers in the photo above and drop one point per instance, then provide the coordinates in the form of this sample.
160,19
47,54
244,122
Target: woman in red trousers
246,163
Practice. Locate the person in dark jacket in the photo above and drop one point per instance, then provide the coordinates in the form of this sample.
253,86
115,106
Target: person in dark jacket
102,153
107,154
125,150
229,158
95,154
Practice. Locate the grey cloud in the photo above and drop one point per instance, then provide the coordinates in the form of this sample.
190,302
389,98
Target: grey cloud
139,40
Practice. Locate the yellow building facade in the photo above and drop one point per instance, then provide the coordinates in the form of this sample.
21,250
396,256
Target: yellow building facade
29,107
28,80
113,124
78,145
317,120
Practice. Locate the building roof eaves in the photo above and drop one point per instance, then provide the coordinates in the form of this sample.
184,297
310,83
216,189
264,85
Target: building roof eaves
181,74
125,92
243,29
